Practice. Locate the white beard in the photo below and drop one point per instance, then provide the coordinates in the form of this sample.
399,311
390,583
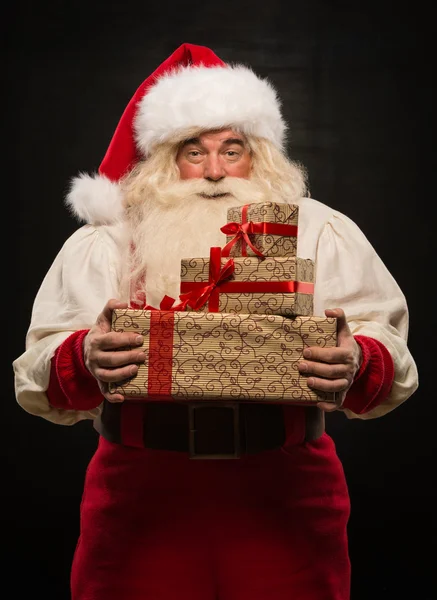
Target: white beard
181,224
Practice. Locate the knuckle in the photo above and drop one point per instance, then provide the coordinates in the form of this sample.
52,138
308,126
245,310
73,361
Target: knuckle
94,342
339,372
112,338
334,385
111,359
350,357
330,356
345,385
318,383
100,375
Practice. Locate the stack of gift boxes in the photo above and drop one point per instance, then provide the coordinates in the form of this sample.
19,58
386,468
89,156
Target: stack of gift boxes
242,321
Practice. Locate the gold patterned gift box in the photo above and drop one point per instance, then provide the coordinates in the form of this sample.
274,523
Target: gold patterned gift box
278,286
261,229
194,356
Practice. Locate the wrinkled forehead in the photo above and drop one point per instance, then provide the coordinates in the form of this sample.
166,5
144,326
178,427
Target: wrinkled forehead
215,137
218,135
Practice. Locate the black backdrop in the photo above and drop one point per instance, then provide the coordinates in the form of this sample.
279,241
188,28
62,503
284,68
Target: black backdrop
356,87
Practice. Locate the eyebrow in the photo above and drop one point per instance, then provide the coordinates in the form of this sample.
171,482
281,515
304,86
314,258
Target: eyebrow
229,142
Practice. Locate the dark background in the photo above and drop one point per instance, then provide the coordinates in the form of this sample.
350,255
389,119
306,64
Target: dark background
356,85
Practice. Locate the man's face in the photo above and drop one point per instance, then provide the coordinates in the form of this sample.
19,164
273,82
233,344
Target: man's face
217,171
215,155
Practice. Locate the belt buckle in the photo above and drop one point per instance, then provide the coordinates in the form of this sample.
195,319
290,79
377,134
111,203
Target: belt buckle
235,408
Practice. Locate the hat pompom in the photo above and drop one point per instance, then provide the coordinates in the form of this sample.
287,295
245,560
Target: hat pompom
94,199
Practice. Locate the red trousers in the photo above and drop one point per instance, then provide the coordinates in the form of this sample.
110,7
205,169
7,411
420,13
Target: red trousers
158,526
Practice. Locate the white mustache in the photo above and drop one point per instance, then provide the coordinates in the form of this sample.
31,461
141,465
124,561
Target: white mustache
202,188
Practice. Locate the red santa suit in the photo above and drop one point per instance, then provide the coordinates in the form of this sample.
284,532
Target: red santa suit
154,523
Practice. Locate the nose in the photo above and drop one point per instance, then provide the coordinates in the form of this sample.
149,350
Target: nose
213,169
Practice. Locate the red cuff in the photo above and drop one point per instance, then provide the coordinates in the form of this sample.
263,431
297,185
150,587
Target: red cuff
373,381
71,385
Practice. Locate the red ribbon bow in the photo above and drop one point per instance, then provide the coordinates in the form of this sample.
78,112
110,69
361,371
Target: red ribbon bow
241,231
196,298
165,304
201,293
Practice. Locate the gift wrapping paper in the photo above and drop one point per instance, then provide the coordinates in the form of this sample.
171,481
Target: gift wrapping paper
250,288
262,229
196,356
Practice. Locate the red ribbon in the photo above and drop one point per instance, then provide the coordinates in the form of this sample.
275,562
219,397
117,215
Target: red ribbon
196,293
241,231
159,377
165,304
199,293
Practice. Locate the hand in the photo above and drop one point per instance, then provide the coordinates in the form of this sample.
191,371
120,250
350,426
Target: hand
105,354
333,369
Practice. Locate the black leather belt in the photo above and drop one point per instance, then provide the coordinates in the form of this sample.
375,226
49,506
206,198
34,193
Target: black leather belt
209,430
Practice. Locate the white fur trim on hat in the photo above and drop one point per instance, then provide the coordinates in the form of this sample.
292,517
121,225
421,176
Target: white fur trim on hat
94,199
210,98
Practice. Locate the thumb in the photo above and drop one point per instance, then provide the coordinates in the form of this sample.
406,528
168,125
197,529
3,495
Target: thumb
343,331
104,320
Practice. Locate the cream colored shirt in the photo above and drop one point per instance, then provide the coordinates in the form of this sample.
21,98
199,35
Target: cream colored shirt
86,272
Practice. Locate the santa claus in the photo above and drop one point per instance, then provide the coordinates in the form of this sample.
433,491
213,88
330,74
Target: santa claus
198,137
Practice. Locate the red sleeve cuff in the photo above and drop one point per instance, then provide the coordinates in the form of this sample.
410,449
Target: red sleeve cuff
71,385
373,381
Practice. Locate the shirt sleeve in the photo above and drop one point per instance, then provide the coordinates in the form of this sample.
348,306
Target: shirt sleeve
81,279
351,275
71,385
374,379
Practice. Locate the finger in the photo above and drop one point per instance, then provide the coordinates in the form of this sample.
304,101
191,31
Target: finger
116,340
328,406
114,397
116,375
343,330
104,320
112,304
111,396
328,385
331,355
334,313
336,404
328,371
111,360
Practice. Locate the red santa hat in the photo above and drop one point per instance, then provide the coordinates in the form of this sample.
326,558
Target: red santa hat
191,88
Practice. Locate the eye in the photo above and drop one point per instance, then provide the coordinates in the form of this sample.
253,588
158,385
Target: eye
194,153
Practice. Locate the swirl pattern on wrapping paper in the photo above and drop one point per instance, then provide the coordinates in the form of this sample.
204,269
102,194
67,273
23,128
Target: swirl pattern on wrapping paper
287,305
253,269
271,269
266,211
195,269
130,320
219,356
255,358
305,269
139,321
269,245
